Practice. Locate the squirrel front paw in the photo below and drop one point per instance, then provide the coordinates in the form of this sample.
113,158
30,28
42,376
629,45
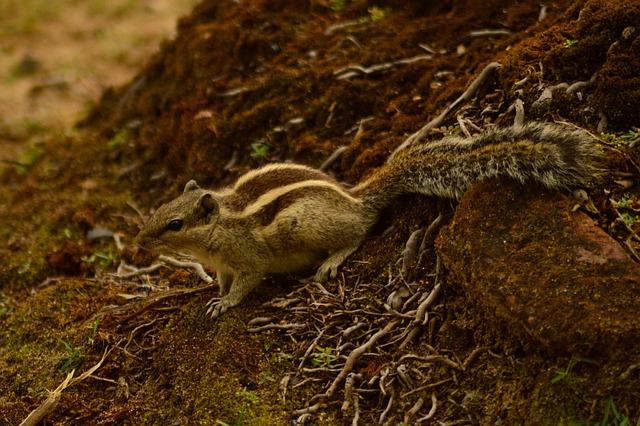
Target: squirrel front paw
216,307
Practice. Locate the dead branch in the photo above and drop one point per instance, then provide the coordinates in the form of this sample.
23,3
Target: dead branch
432,411
431,232
385,413
310,349
49,404
53,399
282,303
411,249
473,356
137,272
603,123
581,85
478,34
266,327
341,25
349,388
234,92
156,300
518,120
520,83
426,304
333,157
543,14
456,105
463,126
413,410
349,331
427,387
138,328
414,330
430,359
547,94
625,375
117,239
194,265
355,70
348,367
357,353
356,409
261,321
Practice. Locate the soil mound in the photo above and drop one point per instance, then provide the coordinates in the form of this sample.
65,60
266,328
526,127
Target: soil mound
245,83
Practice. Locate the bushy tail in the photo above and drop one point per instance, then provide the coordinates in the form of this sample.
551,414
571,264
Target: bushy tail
552,155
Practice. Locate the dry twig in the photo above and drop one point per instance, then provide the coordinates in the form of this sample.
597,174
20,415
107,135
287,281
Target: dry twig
456,105
53,399
355,70
194,265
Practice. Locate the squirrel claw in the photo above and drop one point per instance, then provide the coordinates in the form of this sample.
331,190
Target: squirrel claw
216,307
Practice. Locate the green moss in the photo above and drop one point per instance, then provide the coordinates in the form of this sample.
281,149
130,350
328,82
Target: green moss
217,371
32,357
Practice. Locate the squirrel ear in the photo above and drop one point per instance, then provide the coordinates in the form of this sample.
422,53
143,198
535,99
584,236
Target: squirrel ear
208,205
190,186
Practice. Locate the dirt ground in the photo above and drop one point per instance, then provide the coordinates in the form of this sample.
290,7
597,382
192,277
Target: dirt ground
56,59
95,136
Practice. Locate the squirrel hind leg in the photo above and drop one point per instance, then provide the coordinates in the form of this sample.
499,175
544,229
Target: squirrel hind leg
329,268
224,282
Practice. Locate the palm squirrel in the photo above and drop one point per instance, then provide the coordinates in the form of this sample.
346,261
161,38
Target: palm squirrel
284,218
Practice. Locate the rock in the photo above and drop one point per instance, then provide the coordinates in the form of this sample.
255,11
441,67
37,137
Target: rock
539,273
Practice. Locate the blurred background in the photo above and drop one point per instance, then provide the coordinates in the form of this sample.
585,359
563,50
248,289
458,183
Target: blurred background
56,57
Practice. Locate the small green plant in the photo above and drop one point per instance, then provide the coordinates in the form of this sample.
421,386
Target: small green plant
120,139
33,127
563,374
337,5
248,396
239,421
323,357
94,331
27,159
73,361
570,42
629,218
265,376
627,202
285,356
630,136
259,150
105,258
375,14
613,417
621,140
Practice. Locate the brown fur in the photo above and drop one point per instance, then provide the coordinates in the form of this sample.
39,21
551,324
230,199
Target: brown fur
285,218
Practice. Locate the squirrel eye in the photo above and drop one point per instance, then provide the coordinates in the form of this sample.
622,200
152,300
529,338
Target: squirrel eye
175,225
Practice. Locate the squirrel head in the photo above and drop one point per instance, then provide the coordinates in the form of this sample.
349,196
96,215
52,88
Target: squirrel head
181,224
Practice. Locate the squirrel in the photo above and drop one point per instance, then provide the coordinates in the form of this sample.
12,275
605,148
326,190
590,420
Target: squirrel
284,218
